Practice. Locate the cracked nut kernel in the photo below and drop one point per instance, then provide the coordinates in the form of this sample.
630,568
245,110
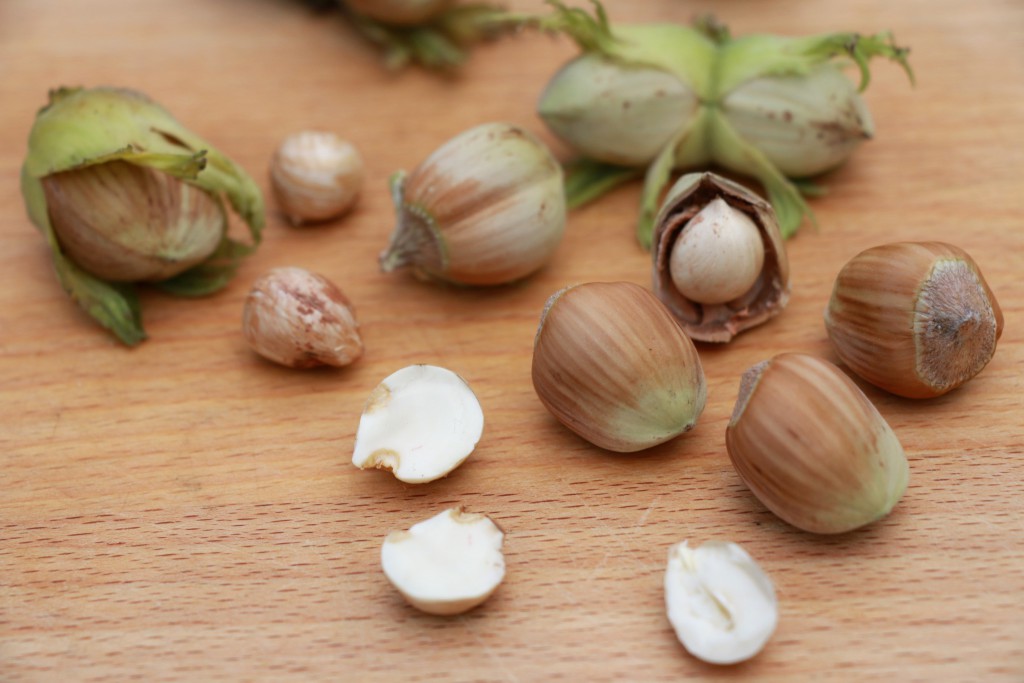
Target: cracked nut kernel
447,564
720,602
420,423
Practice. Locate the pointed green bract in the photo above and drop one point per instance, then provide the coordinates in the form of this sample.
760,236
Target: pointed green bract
80,128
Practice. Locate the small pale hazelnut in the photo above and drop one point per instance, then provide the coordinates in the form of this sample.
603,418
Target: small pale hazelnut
316,176
721,604
420,423
447,564
720,264
301,320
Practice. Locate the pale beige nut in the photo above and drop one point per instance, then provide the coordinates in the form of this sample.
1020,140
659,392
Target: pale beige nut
316,176
420,423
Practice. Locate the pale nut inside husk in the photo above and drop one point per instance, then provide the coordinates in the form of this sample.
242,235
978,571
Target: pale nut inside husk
812,448
736,281
914,318
127,223
720,602
611,364
447,564
316,176
299,319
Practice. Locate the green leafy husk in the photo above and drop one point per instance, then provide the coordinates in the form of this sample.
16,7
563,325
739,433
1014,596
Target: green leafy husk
708,60
81,127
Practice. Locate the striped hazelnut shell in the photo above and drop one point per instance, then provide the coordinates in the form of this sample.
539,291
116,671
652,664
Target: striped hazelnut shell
613,366
914,318
810,445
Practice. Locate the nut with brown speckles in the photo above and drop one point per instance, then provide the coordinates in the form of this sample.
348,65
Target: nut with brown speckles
301,320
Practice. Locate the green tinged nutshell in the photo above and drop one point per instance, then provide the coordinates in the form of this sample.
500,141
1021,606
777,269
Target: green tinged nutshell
83,128
681,97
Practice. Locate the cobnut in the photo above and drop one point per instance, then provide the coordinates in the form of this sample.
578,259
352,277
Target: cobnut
720,602
914,318
316,176
420,423
301,320
720,265
614,367
810,445
447,564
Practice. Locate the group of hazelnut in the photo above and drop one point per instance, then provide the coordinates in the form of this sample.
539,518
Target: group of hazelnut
616,365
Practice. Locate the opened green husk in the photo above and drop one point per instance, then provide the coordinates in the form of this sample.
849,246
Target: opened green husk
124,193
654,98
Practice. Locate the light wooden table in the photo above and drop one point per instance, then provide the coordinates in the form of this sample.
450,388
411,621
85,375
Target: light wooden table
186,511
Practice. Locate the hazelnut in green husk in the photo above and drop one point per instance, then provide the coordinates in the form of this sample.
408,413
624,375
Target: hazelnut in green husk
124,193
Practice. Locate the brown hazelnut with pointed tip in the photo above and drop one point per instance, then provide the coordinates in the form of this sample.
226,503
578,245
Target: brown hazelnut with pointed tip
914,318
612,365
811,446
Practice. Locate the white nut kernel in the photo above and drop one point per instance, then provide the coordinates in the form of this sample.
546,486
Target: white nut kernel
420,422
720,602
447,564
718,256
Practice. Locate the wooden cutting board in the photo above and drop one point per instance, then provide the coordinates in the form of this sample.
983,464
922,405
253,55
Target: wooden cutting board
186,511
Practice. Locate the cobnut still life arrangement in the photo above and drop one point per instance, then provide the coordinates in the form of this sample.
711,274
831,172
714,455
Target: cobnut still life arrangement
124,194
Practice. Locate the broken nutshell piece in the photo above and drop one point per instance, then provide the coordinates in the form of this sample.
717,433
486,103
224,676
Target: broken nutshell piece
447,564
721,604
421,423
299,319
720,264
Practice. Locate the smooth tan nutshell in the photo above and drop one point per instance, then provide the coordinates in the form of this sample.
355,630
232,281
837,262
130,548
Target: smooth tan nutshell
914,318
613,366
486,208
810,445
125,223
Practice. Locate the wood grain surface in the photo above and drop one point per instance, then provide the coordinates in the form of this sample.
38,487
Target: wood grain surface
185,511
